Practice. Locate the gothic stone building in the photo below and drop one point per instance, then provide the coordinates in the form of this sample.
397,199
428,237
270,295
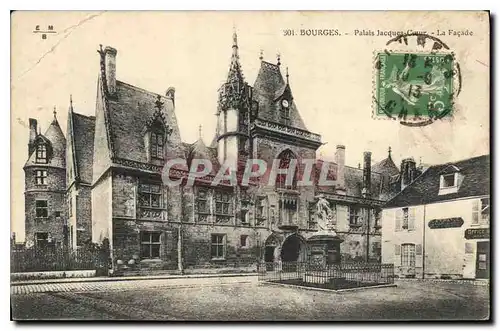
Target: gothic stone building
114,188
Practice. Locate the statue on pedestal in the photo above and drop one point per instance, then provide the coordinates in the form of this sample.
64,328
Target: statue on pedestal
324,214
324,244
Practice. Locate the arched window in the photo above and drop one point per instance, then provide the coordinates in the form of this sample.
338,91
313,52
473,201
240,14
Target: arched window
285,158
157,140
41,153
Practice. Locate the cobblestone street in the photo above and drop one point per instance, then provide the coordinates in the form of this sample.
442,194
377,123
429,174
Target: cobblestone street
242,298
124,285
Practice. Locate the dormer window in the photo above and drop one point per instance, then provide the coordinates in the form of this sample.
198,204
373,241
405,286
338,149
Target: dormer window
41,153
450,180
157,139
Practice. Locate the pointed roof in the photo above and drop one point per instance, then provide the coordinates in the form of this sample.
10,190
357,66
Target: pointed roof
56,146
54,133
386,166
198,150
233,93
130,113
84,129
72,169
235,74
125,117
269,88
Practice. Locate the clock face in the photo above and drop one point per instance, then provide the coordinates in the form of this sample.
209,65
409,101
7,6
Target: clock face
285,103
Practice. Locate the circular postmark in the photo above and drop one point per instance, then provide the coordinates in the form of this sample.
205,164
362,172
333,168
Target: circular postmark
417,80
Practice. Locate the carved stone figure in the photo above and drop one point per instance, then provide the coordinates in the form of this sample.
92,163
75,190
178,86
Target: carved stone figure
324,214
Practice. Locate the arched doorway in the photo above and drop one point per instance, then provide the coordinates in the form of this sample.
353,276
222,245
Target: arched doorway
270,248
293,249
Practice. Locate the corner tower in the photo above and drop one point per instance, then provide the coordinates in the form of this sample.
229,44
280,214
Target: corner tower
45,186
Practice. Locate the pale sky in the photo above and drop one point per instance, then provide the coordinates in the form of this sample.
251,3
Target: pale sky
330,77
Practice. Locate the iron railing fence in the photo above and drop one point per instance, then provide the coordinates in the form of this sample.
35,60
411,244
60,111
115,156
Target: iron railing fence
334,276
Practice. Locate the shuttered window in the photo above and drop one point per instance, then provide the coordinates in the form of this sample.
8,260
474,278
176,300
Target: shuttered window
418,249
480,210
411,219
399,218
475,211
397,249
405,219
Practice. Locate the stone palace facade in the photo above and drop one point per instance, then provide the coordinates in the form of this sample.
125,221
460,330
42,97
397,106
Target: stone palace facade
103,180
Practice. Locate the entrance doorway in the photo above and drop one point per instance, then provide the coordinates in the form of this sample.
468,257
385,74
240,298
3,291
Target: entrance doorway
483,259
293,249
269,254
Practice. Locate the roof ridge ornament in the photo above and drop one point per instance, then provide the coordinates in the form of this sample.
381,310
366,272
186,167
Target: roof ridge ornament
261,56
278,57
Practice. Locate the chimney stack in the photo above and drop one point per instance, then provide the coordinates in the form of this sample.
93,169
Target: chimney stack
33,133
367,174
408,171
170,94
110,65
340,160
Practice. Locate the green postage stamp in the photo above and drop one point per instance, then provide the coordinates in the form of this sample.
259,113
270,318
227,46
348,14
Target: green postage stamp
414,86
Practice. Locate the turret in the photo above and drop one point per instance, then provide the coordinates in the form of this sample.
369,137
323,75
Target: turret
233,113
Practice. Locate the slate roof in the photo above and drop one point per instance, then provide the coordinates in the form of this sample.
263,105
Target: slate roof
268,87
198,150
386,166
129,114
380,189
83,137
55,137
354,182
425,189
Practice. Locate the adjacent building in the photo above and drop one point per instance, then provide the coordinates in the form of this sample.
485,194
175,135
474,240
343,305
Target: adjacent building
111,186
438,226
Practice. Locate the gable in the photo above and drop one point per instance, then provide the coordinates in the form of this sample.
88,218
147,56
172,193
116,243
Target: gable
269,89
130,113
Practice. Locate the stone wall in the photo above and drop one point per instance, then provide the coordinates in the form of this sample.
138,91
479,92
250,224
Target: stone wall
53,224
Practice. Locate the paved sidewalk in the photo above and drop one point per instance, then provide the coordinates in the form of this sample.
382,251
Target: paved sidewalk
125,278
129,284
481,282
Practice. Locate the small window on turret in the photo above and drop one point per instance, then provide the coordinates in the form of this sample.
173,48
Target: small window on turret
41,177
41,153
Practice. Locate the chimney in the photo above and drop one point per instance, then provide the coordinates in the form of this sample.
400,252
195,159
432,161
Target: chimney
408,171
110,65
33,133
170,94
367,174
340,160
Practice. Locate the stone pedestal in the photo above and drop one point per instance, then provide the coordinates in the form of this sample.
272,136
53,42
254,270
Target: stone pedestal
324,248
